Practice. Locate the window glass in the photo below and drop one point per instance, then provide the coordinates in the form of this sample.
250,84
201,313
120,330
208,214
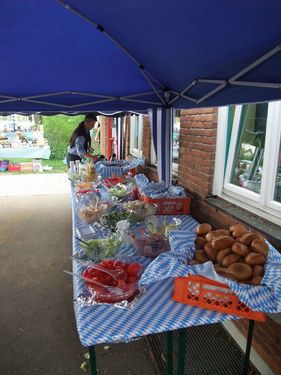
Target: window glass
136,132
248,160
277,193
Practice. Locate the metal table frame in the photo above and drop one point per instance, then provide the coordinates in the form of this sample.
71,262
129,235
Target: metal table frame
182,351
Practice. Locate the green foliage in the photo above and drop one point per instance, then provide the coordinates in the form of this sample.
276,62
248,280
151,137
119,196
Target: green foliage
58,130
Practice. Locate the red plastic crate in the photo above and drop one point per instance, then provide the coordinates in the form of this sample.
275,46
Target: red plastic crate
212,295
13,167
169,206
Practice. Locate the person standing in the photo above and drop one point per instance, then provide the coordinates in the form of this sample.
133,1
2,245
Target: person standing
80,141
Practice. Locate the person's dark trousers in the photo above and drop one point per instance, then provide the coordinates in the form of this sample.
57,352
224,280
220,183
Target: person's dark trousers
70,157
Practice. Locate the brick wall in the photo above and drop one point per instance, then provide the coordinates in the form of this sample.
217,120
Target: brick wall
146,141
197,149
103,135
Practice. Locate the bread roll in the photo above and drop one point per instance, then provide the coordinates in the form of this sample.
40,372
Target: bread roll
221,254
210,236
237,230
240,271
203,229
200,256
240,248
229,259
200,242
210,252
259,246
222,242
256,280
254,258
223,272
248,237
258,270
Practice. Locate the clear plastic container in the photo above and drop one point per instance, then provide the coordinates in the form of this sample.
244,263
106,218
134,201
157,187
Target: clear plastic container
102,244
149,245
113,281
151,237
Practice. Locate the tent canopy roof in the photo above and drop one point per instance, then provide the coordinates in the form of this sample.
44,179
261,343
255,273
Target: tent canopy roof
91,55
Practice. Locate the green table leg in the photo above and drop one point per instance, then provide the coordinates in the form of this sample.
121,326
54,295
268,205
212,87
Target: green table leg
248,347
93,361
182,351
170,369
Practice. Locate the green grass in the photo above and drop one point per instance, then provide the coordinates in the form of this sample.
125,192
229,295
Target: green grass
58,166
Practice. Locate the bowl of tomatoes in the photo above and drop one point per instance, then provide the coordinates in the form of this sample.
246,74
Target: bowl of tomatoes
113,280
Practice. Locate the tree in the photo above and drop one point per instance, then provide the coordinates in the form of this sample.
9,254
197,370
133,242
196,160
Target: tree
58,130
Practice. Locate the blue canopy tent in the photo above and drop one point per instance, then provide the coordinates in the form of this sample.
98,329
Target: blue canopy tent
90,55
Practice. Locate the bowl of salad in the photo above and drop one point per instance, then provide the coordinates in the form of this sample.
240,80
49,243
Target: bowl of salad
104,244
151,237
111,218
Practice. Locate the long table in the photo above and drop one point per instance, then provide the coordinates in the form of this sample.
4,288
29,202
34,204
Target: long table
154,312
25,152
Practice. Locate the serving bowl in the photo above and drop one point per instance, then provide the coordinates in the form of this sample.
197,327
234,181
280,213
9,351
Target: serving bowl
151,237
113,280
97,246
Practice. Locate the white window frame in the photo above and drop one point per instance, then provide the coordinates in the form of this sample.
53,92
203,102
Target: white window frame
175,166
261,204
136,151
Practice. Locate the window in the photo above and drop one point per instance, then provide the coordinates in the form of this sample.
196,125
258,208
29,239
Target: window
249,174
153,159
136,135
176,146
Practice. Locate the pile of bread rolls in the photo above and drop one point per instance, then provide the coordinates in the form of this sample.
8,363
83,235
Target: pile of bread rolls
237,253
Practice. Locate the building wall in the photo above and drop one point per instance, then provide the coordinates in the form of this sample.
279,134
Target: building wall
103,134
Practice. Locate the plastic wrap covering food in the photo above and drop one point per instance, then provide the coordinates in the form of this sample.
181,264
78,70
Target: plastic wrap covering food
141,210
101,244
112,281
91,208
123,192
117,213
151,238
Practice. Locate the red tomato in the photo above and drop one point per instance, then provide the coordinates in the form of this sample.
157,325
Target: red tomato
118,265
133,269
122,284
132,279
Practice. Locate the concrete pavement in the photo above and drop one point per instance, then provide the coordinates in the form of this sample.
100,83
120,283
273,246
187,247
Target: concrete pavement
37,329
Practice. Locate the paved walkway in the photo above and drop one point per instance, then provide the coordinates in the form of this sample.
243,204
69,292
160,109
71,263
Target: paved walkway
33,184
37,330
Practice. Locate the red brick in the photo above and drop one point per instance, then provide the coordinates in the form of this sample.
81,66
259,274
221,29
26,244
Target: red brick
187,112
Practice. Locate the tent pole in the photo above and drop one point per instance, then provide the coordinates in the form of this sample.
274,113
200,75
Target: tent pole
219,88
102,29
257,84
124,99
256,63
152,86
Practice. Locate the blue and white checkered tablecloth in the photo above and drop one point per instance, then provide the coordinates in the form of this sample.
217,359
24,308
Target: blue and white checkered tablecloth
106,170
25,153
154,312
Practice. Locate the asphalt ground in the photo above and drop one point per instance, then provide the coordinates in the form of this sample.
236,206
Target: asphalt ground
37,325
